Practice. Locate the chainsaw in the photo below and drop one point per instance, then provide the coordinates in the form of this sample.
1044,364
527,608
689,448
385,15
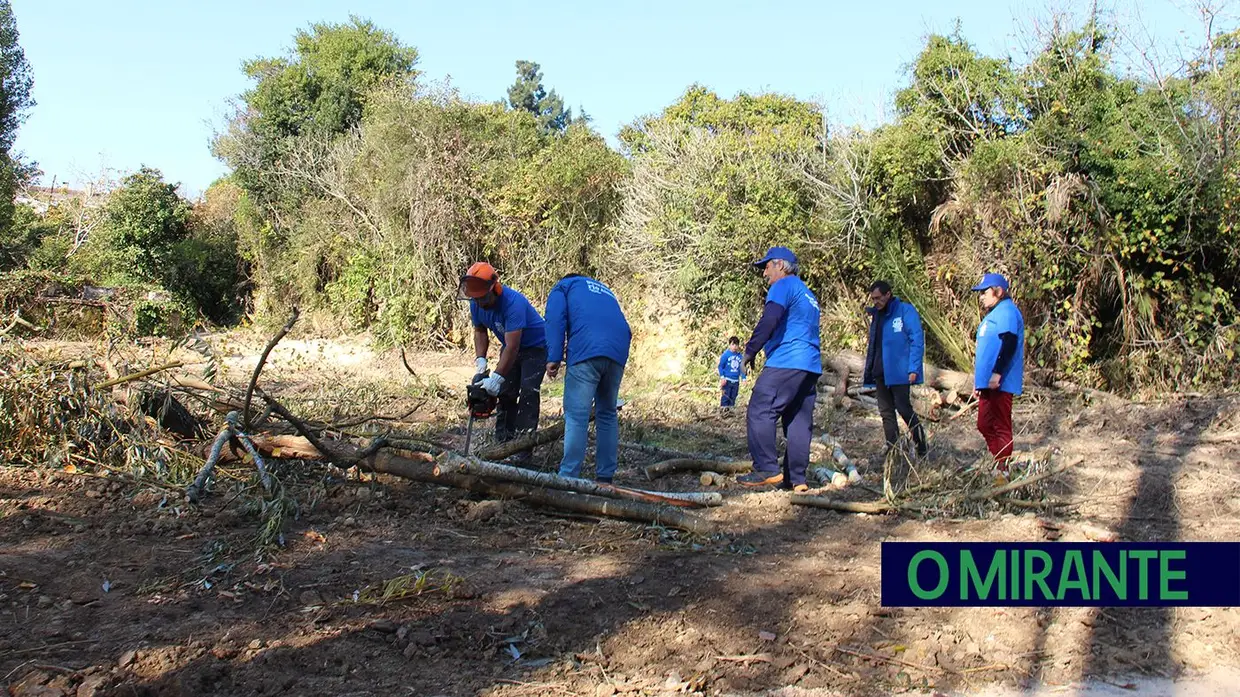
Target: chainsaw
480,403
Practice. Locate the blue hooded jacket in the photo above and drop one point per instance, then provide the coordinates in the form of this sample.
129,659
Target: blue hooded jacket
903,344
585,314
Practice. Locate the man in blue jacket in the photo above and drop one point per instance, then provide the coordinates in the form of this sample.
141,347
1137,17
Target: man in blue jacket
893,362
584,314
999,367
785,391
522,335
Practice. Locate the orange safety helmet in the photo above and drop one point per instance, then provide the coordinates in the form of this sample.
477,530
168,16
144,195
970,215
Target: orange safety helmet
480,279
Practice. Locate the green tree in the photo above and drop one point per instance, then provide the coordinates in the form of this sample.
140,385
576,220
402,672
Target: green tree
15,101
316,93
143,222
529,94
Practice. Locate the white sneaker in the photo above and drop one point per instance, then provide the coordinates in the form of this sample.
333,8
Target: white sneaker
854,477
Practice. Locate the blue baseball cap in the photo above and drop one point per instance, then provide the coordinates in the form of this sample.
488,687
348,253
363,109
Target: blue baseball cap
992,280
777,253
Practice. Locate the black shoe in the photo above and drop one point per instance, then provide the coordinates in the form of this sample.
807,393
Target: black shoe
757,478
603,480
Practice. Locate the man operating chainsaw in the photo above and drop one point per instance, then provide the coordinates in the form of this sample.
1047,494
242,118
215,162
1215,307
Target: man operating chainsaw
517,378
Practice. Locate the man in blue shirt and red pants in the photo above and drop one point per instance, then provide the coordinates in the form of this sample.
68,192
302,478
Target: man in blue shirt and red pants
785,391
999,368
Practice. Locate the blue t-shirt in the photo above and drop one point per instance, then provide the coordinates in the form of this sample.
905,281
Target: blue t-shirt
795,343
1004,318
584,314
510,313
730,364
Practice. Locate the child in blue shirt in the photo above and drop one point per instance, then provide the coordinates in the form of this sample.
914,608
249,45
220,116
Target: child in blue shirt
731,372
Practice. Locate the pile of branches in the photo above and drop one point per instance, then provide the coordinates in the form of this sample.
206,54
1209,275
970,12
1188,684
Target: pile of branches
911,487
51,414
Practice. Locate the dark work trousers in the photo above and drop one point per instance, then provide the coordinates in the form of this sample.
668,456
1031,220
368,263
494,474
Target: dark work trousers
730,388
520,398
994,422
893,399
782,395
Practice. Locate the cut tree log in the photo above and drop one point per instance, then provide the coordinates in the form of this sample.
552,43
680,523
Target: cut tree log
422,467
852,363
388,463
493,470
681,464
279,447
500,451
845,506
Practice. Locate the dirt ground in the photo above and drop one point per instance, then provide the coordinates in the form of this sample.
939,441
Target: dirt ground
111,587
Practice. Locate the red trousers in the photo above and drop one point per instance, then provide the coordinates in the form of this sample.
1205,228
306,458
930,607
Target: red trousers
994,422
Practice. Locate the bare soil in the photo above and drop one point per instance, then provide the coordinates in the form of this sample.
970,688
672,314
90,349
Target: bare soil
113,587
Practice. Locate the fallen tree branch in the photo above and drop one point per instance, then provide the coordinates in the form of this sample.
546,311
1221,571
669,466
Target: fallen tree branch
388,463
500,451
819,501
1100,395
299,426
405,361
683,464
138,375
194,491
280,447
1022,483
262,359
493,470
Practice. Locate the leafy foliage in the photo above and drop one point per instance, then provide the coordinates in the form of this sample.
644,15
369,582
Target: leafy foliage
528,94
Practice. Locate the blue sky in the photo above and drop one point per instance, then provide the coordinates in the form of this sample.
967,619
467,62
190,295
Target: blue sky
121,84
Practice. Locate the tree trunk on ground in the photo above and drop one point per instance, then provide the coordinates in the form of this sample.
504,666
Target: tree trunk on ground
492,470
500,451
680,464
938,378
406,468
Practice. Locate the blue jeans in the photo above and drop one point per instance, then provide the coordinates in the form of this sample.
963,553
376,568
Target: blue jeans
596,382
729,393
782,396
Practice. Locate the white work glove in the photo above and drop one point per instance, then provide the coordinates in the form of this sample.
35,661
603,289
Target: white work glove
493,383
480,365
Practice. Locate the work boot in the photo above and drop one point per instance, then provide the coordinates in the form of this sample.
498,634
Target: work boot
757,478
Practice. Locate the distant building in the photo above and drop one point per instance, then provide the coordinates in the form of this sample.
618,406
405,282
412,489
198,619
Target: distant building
41,198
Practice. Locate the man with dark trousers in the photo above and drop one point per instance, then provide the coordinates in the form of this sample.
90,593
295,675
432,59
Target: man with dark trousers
894,362
999,368
788,333
521,331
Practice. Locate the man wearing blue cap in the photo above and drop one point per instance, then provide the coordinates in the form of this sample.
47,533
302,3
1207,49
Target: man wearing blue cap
785,391
999,369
